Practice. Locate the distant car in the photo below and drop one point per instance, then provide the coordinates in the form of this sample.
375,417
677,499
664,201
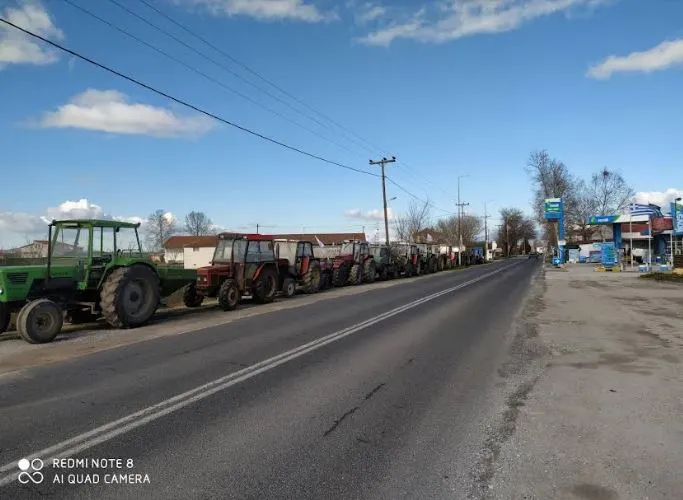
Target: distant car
533,255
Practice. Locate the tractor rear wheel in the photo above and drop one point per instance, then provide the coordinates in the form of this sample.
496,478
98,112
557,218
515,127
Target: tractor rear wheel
5,316
369,271
356,275
264,288
289,287
229,295
40,321
190,296
340,276
312,278
130,296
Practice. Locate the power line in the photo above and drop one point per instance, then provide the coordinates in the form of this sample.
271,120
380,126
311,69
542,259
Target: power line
200,73
265,80
183,102
416,197
243,66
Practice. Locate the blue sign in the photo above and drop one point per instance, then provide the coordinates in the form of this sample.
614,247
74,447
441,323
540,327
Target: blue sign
553,209
608,255
677,215
602,219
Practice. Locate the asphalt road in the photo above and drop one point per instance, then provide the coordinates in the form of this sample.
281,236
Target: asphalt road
392,403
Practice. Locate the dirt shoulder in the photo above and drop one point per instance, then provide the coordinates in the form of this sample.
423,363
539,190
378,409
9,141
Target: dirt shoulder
595,393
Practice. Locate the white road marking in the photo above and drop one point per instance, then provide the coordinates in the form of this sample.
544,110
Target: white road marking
106,432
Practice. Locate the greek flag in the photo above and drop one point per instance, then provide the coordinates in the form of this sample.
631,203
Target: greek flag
642,209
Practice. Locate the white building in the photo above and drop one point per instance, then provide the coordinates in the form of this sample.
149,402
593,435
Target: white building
191,251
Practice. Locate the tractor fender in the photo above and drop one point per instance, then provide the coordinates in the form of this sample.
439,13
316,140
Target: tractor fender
110,270
260,269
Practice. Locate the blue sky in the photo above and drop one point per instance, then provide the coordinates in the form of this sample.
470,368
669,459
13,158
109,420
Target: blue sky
449,87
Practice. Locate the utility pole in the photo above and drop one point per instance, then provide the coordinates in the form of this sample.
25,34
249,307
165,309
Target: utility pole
381,163
486,233
460,207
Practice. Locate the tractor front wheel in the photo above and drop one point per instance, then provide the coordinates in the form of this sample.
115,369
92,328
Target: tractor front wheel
339,276
289,287
190,296
229,295
130,296
40,321
264,287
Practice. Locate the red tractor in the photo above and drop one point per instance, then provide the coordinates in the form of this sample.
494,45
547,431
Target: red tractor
302,266
353,265
409,259
242,264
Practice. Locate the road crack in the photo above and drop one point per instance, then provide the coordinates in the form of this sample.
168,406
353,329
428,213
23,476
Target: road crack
340,420
352,410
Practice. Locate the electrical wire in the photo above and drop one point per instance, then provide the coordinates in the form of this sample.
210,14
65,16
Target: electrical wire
202,74
259,76
375,148
183,102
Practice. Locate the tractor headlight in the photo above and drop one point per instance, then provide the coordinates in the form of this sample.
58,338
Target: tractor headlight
1,291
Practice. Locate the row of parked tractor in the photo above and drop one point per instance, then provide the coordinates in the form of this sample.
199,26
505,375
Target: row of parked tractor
96,270
263,267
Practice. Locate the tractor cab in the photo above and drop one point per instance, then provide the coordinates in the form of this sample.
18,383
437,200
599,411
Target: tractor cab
358,250
91,247
299,254
298,266
241,264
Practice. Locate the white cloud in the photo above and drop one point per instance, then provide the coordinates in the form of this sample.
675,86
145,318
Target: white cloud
265,10
370,12
663,56
18,48
662,199
109,111
375,214
31,226
441,22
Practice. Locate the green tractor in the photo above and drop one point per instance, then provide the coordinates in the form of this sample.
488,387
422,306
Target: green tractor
95,268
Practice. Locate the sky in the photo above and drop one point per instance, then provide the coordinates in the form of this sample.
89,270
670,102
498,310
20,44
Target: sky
453,88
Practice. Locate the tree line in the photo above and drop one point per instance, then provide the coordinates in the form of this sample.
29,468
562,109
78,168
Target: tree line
514,234
159,227
606,192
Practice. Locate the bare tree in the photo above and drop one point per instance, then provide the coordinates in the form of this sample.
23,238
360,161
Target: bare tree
198,224
610,192
414,221
471,226
552,179
584,208
160,227
516,231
